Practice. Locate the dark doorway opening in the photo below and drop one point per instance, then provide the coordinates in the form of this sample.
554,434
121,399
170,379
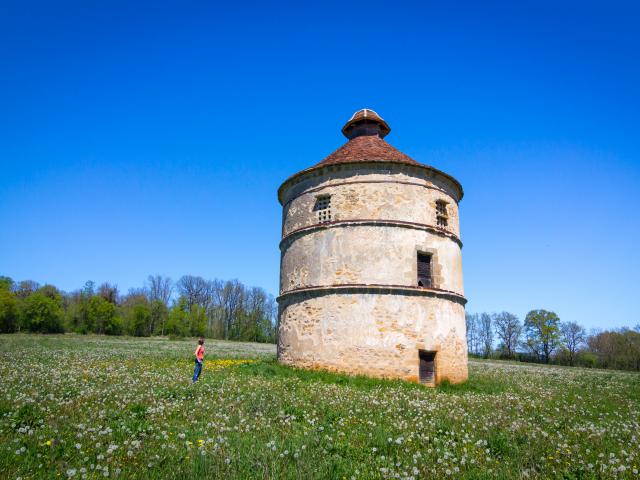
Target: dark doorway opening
424,270
427,367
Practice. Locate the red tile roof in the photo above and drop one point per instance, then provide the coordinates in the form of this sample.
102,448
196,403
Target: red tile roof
367,148
365,131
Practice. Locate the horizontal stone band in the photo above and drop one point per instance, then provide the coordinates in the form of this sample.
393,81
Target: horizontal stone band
359,182
377,289
368,222
317,170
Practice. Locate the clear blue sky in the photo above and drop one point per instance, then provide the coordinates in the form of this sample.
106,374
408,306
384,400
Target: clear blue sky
140,138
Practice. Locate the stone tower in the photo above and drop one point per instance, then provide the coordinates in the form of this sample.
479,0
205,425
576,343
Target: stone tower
371,268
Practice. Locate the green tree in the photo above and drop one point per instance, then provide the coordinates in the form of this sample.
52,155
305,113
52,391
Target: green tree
52,292
40,313
101,314
6,283
159,314
197,321
137,317
542,330
77,309
178,319
8,311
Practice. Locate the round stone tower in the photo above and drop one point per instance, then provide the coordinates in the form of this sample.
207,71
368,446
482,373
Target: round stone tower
371,268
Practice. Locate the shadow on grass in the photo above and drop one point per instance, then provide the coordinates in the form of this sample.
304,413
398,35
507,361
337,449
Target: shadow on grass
272,369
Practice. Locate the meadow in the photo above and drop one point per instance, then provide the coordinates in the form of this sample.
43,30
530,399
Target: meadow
100,407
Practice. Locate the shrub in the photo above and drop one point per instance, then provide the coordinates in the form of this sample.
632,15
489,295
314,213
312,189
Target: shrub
8,312
101,313
39,313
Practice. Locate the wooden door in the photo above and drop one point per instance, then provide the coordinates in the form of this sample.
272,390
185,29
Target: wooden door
427,367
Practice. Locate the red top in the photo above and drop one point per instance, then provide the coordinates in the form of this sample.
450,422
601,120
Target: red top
200,352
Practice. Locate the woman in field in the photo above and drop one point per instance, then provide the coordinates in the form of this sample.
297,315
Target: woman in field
199,353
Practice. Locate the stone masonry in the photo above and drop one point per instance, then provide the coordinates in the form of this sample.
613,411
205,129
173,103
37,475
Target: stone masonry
354,295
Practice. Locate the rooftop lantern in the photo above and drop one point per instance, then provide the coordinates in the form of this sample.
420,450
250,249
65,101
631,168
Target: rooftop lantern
365,122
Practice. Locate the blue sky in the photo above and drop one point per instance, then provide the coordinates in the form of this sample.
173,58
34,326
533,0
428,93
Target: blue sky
151,137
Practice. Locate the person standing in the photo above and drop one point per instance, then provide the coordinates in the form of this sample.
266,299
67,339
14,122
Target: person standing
199,353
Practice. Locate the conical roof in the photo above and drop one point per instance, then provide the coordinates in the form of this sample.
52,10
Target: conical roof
366,131
369,148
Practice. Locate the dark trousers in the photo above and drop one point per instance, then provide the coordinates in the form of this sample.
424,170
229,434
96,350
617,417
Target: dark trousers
196,371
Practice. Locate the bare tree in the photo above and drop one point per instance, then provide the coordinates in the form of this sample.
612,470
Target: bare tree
485,334
26,288
471,320
108,292
195,290
160,288
572,336
508,329
229,298
215,313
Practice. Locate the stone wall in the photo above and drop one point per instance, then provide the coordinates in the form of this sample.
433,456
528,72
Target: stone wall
393,195
349,298
375,335
368,254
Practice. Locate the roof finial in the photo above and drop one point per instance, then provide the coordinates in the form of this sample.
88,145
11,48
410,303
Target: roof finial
365,122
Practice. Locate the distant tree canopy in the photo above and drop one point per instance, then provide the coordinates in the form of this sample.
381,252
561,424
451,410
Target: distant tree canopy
542,329
192,306
544,338
41,313
508,331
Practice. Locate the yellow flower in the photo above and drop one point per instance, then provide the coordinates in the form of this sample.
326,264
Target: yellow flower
48,442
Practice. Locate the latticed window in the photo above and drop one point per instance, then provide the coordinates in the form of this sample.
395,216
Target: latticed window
323,208
442,219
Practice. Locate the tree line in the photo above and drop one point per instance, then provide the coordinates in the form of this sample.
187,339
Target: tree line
192,306
543,338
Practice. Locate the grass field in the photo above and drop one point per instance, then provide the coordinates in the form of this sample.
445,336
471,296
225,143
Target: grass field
96,407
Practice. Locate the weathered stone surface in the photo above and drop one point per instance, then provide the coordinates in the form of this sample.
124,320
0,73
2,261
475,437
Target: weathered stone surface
379,255
349,295
372,196
376,335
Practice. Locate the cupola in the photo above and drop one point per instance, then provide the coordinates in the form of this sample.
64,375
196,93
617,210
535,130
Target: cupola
365,122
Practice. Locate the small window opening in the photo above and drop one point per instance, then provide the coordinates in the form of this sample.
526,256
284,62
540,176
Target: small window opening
424,270
442,218
323,207
427,368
